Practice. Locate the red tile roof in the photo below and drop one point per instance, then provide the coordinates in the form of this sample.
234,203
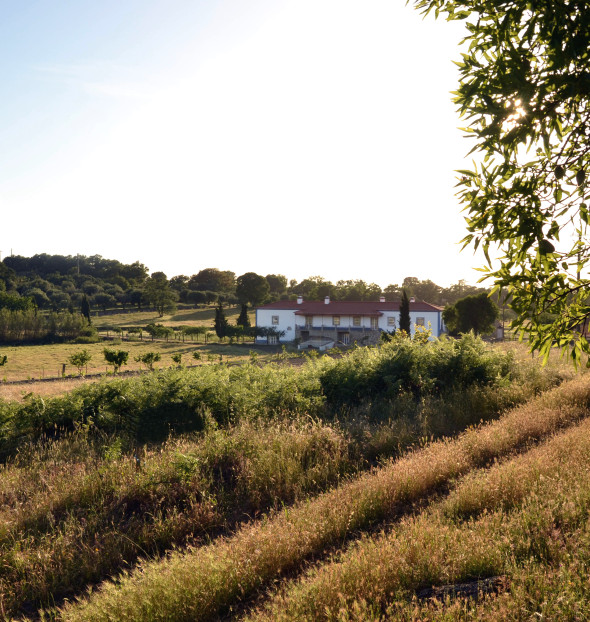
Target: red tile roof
345,307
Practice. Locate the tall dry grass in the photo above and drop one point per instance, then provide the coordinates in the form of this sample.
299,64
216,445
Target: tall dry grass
84,512
205,582
549,485
74,511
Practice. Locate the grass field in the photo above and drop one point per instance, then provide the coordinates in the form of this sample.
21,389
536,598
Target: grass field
33,362
203,316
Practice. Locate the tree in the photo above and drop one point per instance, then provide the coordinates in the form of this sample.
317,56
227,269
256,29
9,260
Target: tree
214,280
104,300
251,288
14,302
158,293
392,291
136,297
196,298
39,296
243,319
220,323
116,358
404,313
80,360
313,288
525,89
179,282
148,359
477,313
277,284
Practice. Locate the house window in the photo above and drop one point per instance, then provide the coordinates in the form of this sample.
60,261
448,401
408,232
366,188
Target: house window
391,321
356,320
335,320
419,321
275,319
374,323
308,321
272,340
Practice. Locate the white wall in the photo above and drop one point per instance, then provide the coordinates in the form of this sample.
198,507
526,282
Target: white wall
288,320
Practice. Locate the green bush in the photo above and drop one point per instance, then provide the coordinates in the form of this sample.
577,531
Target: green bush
418,368
402,380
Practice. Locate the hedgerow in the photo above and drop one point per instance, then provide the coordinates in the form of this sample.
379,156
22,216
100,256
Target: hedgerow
150,407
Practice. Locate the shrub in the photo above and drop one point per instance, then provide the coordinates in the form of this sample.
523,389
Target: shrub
116,358
409,366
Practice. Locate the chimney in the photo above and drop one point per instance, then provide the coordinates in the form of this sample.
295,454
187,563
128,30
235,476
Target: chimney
299,299
327,300
412,299
381,298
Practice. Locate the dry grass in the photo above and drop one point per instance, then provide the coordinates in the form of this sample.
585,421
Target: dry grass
45,361
73,512
203,316
202,583
17,392
438,548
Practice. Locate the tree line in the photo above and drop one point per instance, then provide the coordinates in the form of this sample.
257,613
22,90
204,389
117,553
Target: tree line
59,283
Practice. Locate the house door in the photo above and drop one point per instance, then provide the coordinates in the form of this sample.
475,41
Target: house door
344,338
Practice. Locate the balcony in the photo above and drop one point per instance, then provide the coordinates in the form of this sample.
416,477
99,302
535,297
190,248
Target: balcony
326,329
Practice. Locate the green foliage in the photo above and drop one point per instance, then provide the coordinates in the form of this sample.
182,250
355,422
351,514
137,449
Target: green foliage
414,367
148,359
116,358
404,314
158,330
157,292
403,379
220,323
472,313
80,360
252,288
277,284
177,358
30,326
243,319
3,360
524,87
213,281
14,302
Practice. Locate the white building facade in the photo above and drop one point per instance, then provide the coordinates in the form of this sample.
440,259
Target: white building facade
328,323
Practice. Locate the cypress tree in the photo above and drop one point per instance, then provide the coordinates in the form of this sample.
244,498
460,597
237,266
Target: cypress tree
85,308
243,319
404,313
220,325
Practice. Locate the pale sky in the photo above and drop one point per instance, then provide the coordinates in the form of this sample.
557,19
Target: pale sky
301,137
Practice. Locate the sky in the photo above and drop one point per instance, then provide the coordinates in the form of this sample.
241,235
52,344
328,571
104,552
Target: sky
295,137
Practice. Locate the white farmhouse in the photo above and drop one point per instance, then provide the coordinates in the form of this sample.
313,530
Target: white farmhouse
329,323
